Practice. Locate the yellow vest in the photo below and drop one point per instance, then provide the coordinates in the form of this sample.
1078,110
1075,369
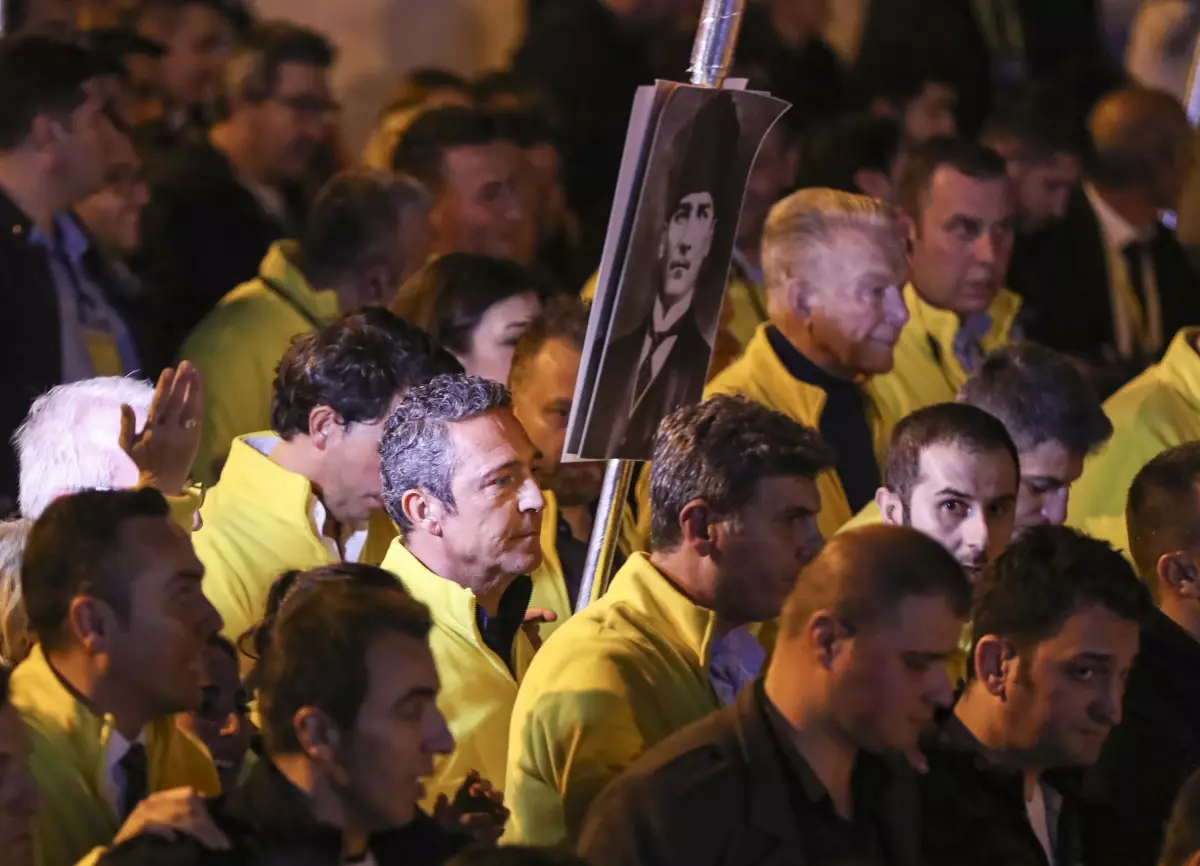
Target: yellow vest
1156,411
925,371
67,760
239,344
257,526
761,376
625,673
549,584
870,515
478,689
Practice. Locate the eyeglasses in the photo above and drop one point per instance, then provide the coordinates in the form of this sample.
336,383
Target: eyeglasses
309,107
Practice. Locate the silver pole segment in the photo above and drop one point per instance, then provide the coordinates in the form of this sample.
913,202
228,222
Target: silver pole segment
712,55
1191,102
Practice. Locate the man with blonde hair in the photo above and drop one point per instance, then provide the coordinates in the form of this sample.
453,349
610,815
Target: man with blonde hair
834,265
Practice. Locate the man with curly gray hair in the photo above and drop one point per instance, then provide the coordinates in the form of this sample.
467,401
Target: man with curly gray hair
458,481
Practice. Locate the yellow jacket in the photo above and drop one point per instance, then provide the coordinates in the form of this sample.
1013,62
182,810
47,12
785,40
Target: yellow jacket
1156,411
239,344
67,760
257,526
478,689
926,371
761,376
628,671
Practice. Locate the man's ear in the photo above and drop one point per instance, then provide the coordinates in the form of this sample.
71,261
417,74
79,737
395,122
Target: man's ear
424,510
92,623
891,508
697,528
824,636
1177,575
318,736
994,658
797,295
323,422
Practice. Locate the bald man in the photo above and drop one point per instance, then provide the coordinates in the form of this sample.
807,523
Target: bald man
1110,284
792,771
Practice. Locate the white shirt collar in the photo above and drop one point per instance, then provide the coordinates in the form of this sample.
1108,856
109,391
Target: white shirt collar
1118,232
664,319
114,776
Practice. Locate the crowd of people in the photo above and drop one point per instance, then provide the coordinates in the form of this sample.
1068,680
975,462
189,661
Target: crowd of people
292,569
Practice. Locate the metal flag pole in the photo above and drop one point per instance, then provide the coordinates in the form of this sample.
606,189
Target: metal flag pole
712,54
1191,103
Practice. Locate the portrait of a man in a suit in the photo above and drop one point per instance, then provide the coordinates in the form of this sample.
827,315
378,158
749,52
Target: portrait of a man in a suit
660,363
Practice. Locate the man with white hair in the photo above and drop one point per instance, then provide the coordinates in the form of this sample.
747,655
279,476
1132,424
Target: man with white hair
833,264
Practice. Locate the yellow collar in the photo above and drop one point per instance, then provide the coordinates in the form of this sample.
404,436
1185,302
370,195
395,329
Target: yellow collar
249,474
797,399
943,325
279,271
646,590
1180,366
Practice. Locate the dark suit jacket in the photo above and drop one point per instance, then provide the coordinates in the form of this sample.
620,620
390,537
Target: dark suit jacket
268,823
680,381
1151,753
1061,272
716,794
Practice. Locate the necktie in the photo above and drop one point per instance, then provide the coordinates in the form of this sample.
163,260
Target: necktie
1134,254
646,371
136,786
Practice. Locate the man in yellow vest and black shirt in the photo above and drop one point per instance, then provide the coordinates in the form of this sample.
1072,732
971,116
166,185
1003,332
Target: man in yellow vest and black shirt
834,265
959,204
307,492
458,482
734,504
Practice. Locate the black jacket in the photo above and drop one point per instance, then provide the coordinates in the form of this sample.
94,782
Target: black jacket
268,824
718,793
973,811
203,233
1151,753
1061,272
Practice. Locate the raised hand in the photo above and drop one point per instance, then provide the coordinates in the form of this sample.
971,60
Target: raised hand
166,446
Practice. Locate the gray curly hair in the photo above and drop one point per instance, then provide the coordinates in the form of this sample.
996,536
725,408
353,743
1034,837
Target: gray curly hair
416,452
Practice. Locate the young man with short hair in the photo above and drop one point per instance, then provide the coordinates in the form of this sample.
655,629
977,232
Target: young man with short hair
734,503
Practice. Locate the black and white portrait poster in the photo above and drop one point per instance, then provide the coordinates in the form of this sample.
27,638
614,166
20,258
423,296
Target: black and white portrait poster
657,307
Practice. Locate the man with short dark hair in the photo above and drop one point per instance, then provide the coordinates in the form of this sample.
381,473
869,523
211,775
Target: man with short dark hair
473,167
854,153
1055,623
458,482
1042,148
307,492
56,134
733,501
918,97
1109,283
804,767
350,727
223,199
111,588
959,203
1157,745
365,234
952,472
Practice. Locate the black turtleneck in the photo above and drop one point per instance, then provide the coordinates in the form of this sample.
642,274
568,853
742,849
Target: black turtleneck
843,425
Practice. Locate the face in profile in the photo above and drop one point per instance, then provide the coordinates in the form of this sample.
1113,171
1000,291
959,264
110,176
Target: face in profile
161,648
114,214
891,679
198,46
1065,694
1044,189
497,517
291,124
398,734
542,403
222,721
18,792
353,489
689,237
1047,473
856,306
963,499
777,531
931,114
962,241
496,336
481,207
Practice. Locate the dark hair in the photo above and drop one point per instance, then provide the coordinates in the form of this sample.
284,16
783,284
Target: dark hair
450,295
253,73
1182,839
421,148
505,82
229,10
835,151
896,76
719,451
527,128
564,318
963,155
1039,396
957,424
862,576
1036,120
354,222
41,75
1047,575
416,452
516,855
5,676
420,84
317,655
356,366
1161,512
74,549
